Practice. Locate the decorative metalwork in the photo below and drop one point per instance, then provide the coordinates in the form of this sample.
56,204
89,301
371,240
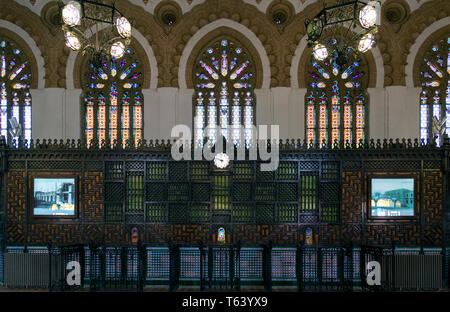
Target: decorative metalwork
334,32
110,31
435,97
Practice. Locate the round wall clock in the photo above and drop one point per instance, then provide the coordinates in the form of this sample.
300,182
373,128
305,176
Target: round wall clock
221,160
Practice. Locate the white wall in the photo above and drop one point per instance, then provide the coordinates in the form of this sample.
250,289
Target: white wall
393,112
55,113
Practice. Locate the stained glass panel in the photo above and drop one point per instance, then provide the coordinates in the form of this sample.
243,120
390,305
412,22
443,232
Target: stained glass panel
15,82
335,103
310,119
435,96
113,101
225,70
347,119
335,114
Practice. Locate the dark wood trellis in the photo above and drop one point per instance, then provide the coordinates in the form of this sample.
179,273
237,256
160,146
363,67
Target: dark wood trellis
323,188
143,187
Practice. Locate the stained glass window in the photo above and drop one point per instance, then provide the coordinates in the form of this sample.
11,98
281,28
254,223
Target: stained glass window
113,101
435,96
15,98
335,103
224,99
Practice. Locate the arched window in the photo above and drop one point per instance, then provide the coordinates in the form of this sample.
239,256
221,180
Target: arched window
335,103
435,97
113,101
224,83
15,82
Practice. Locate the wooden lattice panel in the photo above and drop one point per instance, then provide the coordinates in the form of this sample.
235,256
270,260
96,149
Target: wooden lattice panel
15,233
261,234
398,234
55,233
352,185
330,234
92,183
433,193
17,190
432,234
93,233
113,233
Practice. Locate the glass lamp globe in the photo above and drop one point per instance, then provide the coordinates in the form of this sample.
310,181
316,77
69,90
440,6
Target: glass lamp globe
368,15
123,27
320,52
366,43
72,41
71,13
314,28
117,50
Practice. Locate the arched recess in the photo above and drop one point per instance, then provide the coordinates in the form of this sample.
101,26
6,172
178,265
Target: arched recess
419,48
336,102
81,64
29,47
112,101
224,81
430,72
302,56
142,48
220,28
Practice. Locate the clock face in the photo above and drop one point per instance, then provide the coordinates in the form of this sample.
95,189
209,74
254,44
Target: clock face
221,160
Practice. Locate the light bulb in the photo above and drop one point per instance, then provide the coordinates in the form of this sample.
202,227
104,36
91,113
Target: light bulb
71,13
314,28
368,15
366,43
72,41
320,52
117,50
123,27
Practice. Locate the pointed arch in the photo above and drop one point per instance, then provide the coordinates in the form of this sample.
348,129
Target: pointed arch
218,28
16,79
143,49
30,48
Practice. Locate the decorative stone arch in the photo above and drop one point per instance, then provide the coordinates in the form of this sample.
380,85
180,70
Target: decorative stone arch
372,59
224,27
419,48
77,62
28,46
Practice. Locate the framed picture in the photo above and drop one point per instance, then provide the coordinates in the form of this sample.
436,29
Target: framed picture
392,197
54,197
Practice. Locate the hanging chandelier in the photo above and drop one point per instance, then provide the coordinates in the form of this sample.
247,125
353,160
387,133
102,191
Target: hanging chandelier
96,28
343,31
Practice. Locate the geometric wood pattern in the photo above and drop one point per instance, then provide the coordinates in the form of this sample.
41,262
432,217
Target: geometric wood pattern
92,196
351,226
433,196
